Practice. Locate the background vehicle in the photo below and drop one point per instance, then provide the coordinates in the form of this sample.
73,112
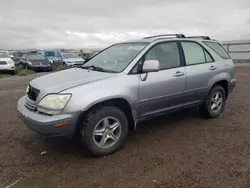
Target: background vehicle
17,56
90,55
68,58
33,60
49,54
6,63
128,83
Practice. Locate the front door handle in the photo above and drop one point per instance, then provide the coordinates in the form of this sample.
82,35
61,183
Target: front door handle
178,74
213,68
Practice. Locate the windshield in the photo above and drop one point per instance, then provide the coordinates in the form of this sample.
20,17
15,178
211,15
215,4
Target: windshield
69,55
117,57
35,57
4,55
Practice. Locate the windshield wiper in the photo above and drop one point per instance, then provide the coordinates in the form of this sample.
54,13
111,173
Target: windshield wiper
92,67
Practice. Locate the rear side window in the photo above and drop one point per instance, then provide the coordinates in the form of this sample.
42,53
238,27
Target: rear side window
218,49
195,53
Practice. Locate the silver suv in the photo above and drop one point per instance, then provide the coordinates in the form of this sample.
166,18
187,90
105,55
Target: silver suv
127,83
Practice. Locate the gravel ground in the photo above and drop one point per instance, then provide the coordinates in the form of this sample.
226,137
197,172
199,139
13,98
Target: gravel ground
180,150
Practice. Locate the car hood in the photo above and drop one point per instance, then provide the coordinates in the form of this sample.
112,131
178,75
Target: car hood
62,80
73,59
5,59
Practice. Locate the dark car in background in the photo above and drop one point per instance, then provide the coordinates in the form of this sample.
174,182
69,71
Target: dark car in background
35,61
17,56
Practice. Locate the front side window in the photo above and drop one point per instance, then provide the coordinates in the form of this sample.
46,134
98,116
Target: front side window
117,57
195,54
166,53
218,49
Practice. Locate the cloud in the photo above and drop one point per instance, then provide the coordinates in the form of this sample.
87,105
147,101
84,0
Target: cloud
82,23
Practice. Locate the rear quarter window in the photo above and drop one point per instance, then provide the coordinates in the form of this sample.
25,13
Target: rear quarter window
216,47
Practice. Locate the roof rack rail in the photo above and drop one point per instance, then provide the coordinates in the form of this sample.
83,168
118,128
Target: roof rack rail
166,35
202,37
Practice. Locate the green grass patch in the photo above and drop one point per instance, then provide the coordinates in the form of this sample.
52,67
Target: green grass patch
2,75
24,72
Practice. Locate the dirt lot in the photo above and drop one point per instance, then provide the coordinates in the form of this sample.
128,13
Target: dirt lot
181,150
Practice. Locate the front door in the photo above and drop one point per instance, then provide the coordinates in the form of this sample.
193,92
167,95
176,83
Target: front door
163,90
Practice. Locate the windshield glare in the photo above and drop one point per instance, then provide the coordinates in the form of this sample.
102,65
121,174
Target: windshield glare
69,55
117,57
4,55
35,57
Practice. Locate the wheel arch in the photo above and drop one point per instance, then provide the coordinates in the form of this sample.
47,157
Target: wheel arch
118,102
222,83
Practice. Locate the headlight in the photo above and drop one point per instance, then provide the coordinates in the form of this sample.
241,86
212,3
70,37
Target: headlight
53,104
27,89
29,63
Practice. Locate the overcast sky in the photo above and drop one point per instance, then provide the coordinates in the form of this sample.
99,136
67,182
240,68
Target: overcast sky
82,23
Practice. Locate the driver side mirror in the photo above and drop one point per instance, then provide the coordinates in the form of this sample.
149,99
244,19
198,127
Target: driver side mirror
151,66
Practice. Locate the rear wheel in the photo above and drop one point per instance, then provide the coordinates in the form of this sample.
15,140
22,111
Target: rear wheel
215,102
104,130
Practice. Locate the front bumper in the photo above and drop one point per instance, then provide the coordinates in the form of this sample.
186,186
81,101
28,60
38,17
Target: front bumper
7,67
44,124
232,85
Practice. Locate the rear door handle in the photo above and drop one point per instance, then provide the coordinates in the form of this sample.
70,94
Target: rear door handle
212,68
178,74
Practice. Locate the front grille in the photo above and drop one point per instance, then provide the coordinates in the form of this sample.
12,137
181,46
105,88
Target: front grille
33,93
36,63
3,63
30,106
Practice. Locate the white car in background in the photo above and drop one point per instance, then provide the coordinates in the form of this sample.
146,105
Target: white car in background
6,63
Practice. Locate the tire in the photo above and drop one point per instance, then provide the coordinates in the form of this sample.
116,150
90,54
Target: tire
13,72
90,124
207,108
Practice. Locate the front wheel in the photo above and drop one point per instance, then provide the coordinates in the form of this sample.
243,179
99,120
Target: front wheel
214,103
13,72
104,130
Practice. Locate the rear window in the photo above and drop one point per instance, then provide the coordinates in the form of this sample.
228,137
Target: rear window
218,49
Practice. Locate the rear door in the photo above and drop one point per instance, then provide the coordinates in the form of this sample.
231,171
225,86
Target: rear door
200,68
224,63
